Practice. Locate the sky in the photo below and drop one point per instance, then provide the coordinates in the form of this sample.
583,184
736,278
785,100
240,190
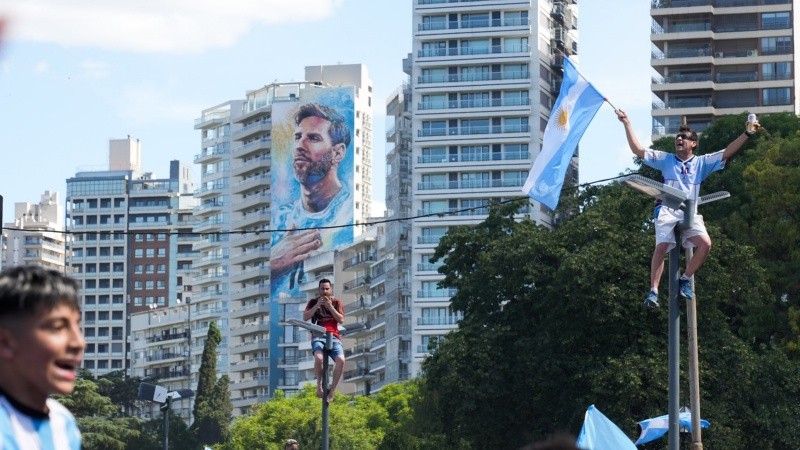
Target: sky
76,73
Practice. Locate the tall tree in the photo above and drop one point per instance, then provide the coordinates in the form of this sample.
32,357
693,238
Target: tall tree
553,323
212,406
95,415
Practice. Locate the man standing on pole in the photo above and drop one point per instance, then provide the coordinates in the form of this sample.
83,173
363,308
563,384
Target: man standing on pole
685,171
326,311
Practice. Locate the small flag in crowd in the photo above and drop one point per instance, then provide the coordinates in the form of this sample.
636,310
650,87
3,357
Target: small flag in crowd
600,433
656,427
577,103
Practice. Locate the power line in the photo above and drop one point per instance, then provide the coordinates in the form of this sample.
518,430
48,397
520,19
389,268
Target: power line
328,227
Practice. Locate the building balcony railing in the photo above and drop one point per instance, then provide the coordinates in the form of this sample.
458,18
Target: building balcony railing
474,157
476,23
472,130
481,211
483,103
429,267
436,293
470,77
444,320
166,337
472,51
469,184
736,77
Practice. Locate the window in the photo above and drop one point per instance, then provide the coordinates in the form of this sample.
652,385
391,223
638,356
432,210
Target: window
776,45
162,252
775,21
475,153
434,128
475,73
137,285
515,45
476,47
138,268
434,23
149,284
434,154
438,75
776,96
150,252
151,268
161,268
776,71
138,253
479,20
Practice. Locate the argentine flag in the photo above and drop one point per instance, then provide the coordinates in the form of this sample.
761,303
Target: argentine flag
600,433
656,427
575,108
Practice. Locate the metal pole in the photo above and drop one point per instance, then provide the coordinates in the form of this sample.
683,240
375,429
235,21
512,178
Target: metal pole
167,407
674,349
694,365
325,389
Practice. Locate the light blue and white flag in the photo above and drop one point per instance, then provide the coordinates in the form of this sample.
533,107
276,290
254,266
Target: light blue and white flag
577,103
656,427
600,433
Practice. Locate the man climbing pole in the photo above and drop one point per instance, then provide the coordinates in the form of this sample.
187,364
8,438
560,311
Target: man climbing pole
685,171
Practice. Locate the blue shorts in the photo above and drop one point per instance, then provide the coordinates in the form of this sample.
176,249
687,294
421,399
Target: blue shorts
318,345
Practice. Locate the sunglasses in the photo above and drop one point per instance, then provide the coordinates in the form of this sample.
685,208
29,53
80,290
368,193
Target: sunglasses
685,137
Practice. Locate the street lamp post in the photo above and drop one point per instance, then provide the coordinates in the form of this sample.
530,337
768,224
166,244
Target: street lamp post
676,199
319,330
161,395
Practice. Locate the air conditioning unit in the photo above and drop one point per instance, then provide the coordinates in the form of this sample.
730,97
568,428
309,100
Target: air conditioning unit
752,53
718,54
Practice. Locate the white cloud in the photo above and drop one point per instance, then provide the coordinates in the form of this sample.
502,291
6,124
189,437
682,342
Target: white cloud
147,104
153,26
41,67
95,69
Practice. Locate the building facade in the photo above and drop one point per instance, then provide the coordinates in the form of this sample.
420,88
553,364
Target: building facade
36,236
125,247
484,77
235,218
719,57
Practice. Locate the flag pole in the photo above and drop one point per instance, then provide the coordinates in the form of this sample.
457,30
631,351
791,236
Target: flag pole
587,80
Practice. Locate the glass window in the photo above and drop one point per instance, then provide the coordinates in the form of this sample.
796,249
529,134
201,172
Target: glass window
476,47
776,96
776,71
775,21
434,22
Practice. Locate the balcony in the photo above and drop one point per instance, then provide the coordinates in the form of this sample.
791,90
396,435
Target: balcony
476,23
482,103
359,261
436,293
472,51
440,320
473,130
469,184
474,157
472,77
249,147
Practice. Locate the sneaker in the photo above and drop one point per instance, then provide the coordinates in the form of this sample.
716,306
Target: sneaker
686,289
651,301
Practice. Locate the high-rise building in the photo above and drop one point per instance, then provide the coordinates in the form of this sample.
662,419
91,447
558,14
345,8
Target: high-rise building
128,247
484,77
238,166
719,57
379,266
36,236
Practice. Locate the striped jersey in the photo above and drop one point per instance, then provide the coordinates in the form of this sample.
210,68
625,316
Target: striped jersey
25,429
685,175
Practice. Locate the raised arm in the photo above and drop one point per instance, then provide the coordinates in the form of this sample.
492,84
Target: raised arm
737,143
633,141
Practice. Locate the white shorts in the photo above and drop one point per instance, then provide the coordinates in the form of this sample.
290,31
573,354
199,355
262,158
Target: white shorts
666,221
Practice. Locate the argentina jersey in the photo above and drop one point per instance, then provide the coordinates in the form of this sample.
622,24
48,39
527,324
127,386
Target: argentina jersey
21,429
684,175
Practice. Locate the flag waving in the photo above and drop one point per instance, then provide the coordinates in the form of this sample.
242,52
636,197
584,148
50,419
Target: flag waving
577,103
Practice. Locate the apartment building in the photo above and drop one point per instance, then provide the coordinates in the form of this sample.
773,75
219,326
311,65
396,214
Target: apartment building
160,352
484,77
245,145
36,235
128,246
719,57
